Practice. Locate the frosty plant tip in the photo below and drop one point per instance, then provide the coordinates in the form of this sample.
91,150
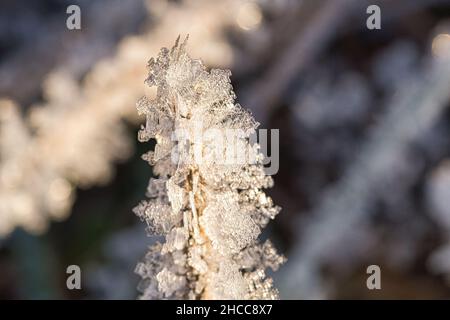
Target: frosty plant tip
202,143
207,201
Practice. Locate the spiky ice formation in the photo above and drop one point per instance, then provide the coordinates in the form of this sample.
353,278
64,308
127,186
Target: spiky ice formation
210,211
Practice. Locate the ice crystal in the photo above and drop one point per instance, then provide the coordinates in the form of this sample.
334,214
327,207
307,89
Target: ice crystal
210,211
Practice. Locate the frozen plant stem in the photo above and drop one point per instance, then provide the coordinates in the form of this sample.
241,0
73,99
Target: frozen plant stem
210,211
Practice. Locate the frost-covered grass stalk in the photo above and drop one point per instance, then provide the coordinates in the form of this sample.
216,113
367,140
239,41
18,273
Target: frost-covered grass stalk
209,210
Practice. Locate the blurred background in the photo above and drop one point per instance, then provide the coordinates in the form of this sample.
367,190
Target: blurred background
364,125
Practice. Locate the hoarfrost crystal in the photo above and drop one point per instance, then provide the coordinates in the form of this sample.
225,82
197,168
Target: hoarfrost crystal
210,211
